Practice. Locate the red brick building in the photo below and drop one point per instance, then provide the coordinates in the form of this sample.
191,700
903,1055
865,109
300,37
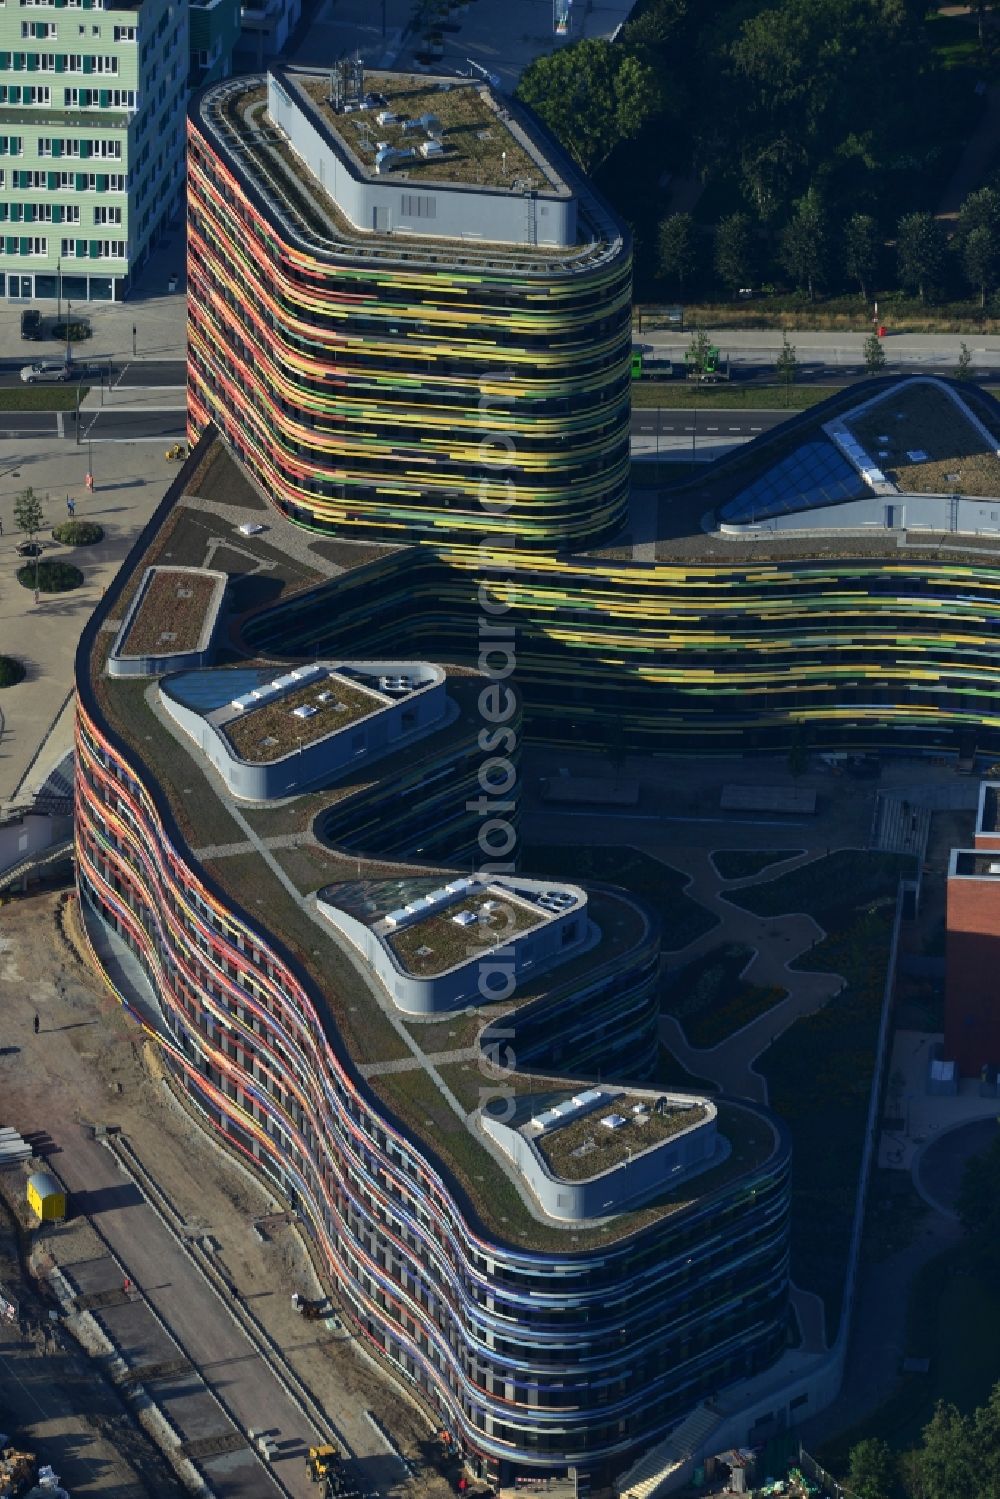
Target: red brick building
972,986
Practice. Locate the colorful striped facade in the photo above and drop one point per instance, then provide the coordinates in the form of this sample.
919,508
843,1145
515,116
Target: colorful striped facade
699,658
536,1354
390,388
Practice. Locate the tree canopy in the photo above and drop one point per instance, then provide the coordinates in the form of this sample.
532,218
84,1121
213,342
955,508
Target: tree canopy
592,95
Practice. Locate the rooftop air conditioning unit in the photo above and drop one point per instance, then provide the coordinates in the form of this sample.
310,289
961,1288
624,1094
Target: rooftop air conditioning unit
431,148
464,918
386,117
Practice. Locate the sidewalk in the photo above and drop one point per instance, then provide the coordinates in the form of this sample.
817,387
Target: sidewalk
36,715
838,347
158,316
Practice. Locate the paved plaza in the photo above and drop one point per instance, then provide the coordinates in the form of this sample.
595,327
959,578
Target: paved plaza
36,719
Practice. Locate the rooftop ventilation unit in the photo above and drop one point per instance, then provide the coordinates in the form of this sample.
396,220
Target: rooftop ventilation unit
465,918
613,1121
305,710
387,156
386,117
431,148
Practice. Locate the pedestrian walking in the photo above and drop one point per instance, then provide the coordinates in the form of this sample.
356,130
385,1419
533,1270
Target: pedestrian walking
70,506
38,1025
1,527
126,1286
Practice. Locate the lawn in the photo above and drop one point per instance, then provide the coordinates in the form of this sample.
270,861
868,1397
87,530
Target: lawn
741,863
831,886
819,1077
671,1073
710,999
662,888
676,395
41,397
954,1320
923,419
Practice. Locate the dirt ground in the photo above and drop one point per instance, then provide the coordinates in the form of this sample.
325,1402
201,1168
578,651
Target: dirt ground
52,1404
92,1065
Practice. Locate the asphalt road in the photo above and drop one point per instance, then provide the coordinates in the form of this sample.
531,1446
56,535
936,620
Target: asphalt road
661,422
142,374
98,426
137,426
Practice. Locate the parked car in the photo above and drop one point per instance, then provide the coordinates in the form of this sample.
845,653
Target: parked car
31,323
31,374
251,528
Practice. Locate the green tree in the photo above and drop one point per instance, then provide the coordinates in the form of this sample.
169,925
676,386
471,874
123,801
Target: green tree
944,1466
980,210
28,513
981,259
28,518
872,1471
803,243
677,249
963,369
786,365
874,354
861,251
696,357
986,1436
736,258
592,95
920,251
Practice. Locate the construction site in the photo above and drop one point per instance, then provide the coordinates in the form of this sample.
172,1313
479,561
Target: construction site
162,1328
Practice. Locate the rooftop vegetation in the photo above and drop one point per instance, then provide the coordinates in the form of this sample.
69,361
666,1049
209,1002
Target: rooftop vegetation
171,615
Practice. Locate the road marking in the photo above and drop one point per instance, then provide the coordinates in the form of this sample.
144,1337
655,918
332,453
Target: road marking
756,429
711,429
744,822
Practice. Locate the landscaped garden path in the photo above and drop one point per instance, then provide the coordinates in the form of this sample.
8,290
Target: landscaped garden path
776,941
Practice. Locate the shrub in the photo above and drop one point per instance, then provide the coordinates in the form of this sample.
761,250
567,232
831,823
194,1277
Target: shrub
50,577
72,333
78,533
11,671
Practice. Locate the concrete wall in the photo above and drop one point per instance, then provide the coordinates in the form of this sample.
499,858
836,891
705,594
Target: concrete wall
326,759
455,211
482,977
30,834
900,512
655,1170
151,666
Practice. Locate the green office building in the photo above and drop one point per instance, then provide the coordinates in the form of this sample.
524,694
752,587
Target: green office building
92,100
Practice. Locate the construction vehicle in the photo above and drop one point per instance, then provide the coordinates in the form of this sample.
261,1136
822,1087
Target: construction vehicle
312,1311
709,371
648,365
326,1465
321,1460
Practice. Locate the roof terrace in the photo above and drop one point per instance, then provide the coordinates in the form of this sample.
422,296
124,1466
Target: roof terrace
170,622
266,727
477,142
427,951
460,924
